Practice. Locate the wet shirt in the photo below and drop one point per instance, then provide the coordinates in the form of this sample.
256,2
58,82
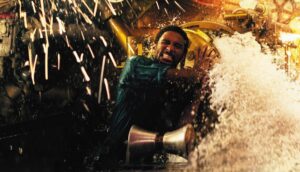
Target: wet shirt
140,97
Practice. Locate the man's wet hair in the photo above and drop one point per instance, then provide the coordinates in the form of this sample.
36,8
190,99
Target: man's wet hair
176,29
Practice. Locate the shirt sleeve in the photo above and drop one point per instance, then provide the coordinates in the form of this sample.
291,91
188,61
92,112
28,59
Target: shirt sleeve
126,72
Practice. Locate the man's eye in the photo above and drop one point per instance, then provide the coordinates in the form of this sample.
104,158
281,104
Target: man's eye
179,46
165,42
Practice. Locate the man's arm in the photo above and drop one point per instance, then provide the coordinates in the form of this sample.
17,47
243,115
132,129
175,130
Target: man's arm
189,75
206,57
204,60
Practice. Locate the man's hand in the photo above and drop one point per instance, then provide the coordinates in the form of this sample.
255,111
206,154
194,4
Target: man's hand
205,58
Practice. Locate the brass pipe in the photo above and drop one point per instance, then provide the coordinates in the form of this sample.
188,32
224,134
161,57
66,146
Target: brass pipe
119,31
211,25
236,16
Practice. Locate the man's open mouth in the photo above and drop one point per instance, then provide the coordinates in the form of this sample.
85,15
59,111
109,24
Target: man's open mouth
166,58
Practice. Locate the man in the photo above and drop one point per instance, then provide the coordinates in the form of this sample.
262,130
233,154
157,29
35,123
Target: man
143,91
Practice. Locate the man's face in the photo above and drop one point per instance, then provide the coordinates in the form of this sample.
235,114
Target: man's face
170,48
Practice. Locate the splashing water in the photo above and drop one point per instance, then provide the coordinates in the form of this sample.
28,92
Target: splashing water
259,110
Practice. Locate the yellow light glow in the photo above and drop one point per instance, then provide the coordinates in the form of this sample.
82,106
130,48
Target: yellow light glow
248,4
288,37
295,24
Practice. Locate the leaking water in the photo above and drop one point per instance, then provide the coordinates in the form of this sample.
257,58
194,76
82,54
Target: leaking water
259,110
